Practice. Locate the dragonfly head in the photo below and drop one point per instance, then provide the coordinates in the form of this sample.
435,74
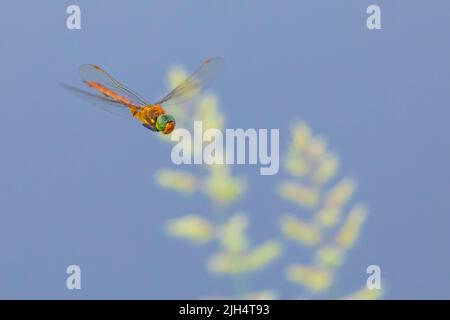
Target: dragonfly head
165,123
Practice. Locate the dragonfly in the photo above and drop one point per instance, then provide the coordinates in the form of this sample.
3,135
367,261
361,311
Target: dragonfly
115,97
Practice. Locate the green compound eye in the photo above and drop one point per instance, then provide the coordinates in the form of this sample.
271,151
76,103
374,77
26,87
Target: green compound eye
163,120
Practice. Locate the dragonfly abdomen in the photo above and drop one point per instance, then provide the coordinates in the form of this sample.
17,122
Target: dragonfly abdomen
108,92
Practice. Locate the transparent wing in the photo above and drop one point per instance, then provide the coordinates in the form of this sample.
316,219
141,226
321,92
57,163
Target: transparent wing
190,87
97,78
101,102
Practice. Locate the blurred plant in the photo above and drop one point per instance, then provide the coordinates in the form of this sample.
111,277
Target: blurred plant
311,167
329,233
235,257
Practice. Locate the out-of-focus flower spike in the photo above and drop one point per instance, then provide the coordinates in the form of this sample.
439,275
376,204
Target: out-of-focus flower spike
232,234
264,254
257,295
225,263
301,195
349,232
208,111
316,149
191,227
327,168
295,164
177,180
262,295
314,279
176,75
221,187
301,134
365,294
340,193
329,257
328,217
300,231
229,263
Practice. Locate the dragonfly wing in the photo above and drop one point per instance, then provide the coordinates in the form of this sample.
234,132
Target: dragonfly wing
101,102
97,78
190,87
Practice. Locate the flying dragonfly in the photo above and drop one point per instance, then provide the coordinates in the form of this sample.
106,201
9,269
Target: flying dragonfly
114,97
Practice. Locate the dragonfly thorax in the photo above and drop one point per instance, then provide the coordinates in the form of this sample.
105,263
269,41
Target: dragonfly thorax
155,117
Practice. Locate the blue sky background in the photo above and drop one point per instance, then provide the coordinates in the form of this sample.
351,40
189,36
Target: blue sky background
76,184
